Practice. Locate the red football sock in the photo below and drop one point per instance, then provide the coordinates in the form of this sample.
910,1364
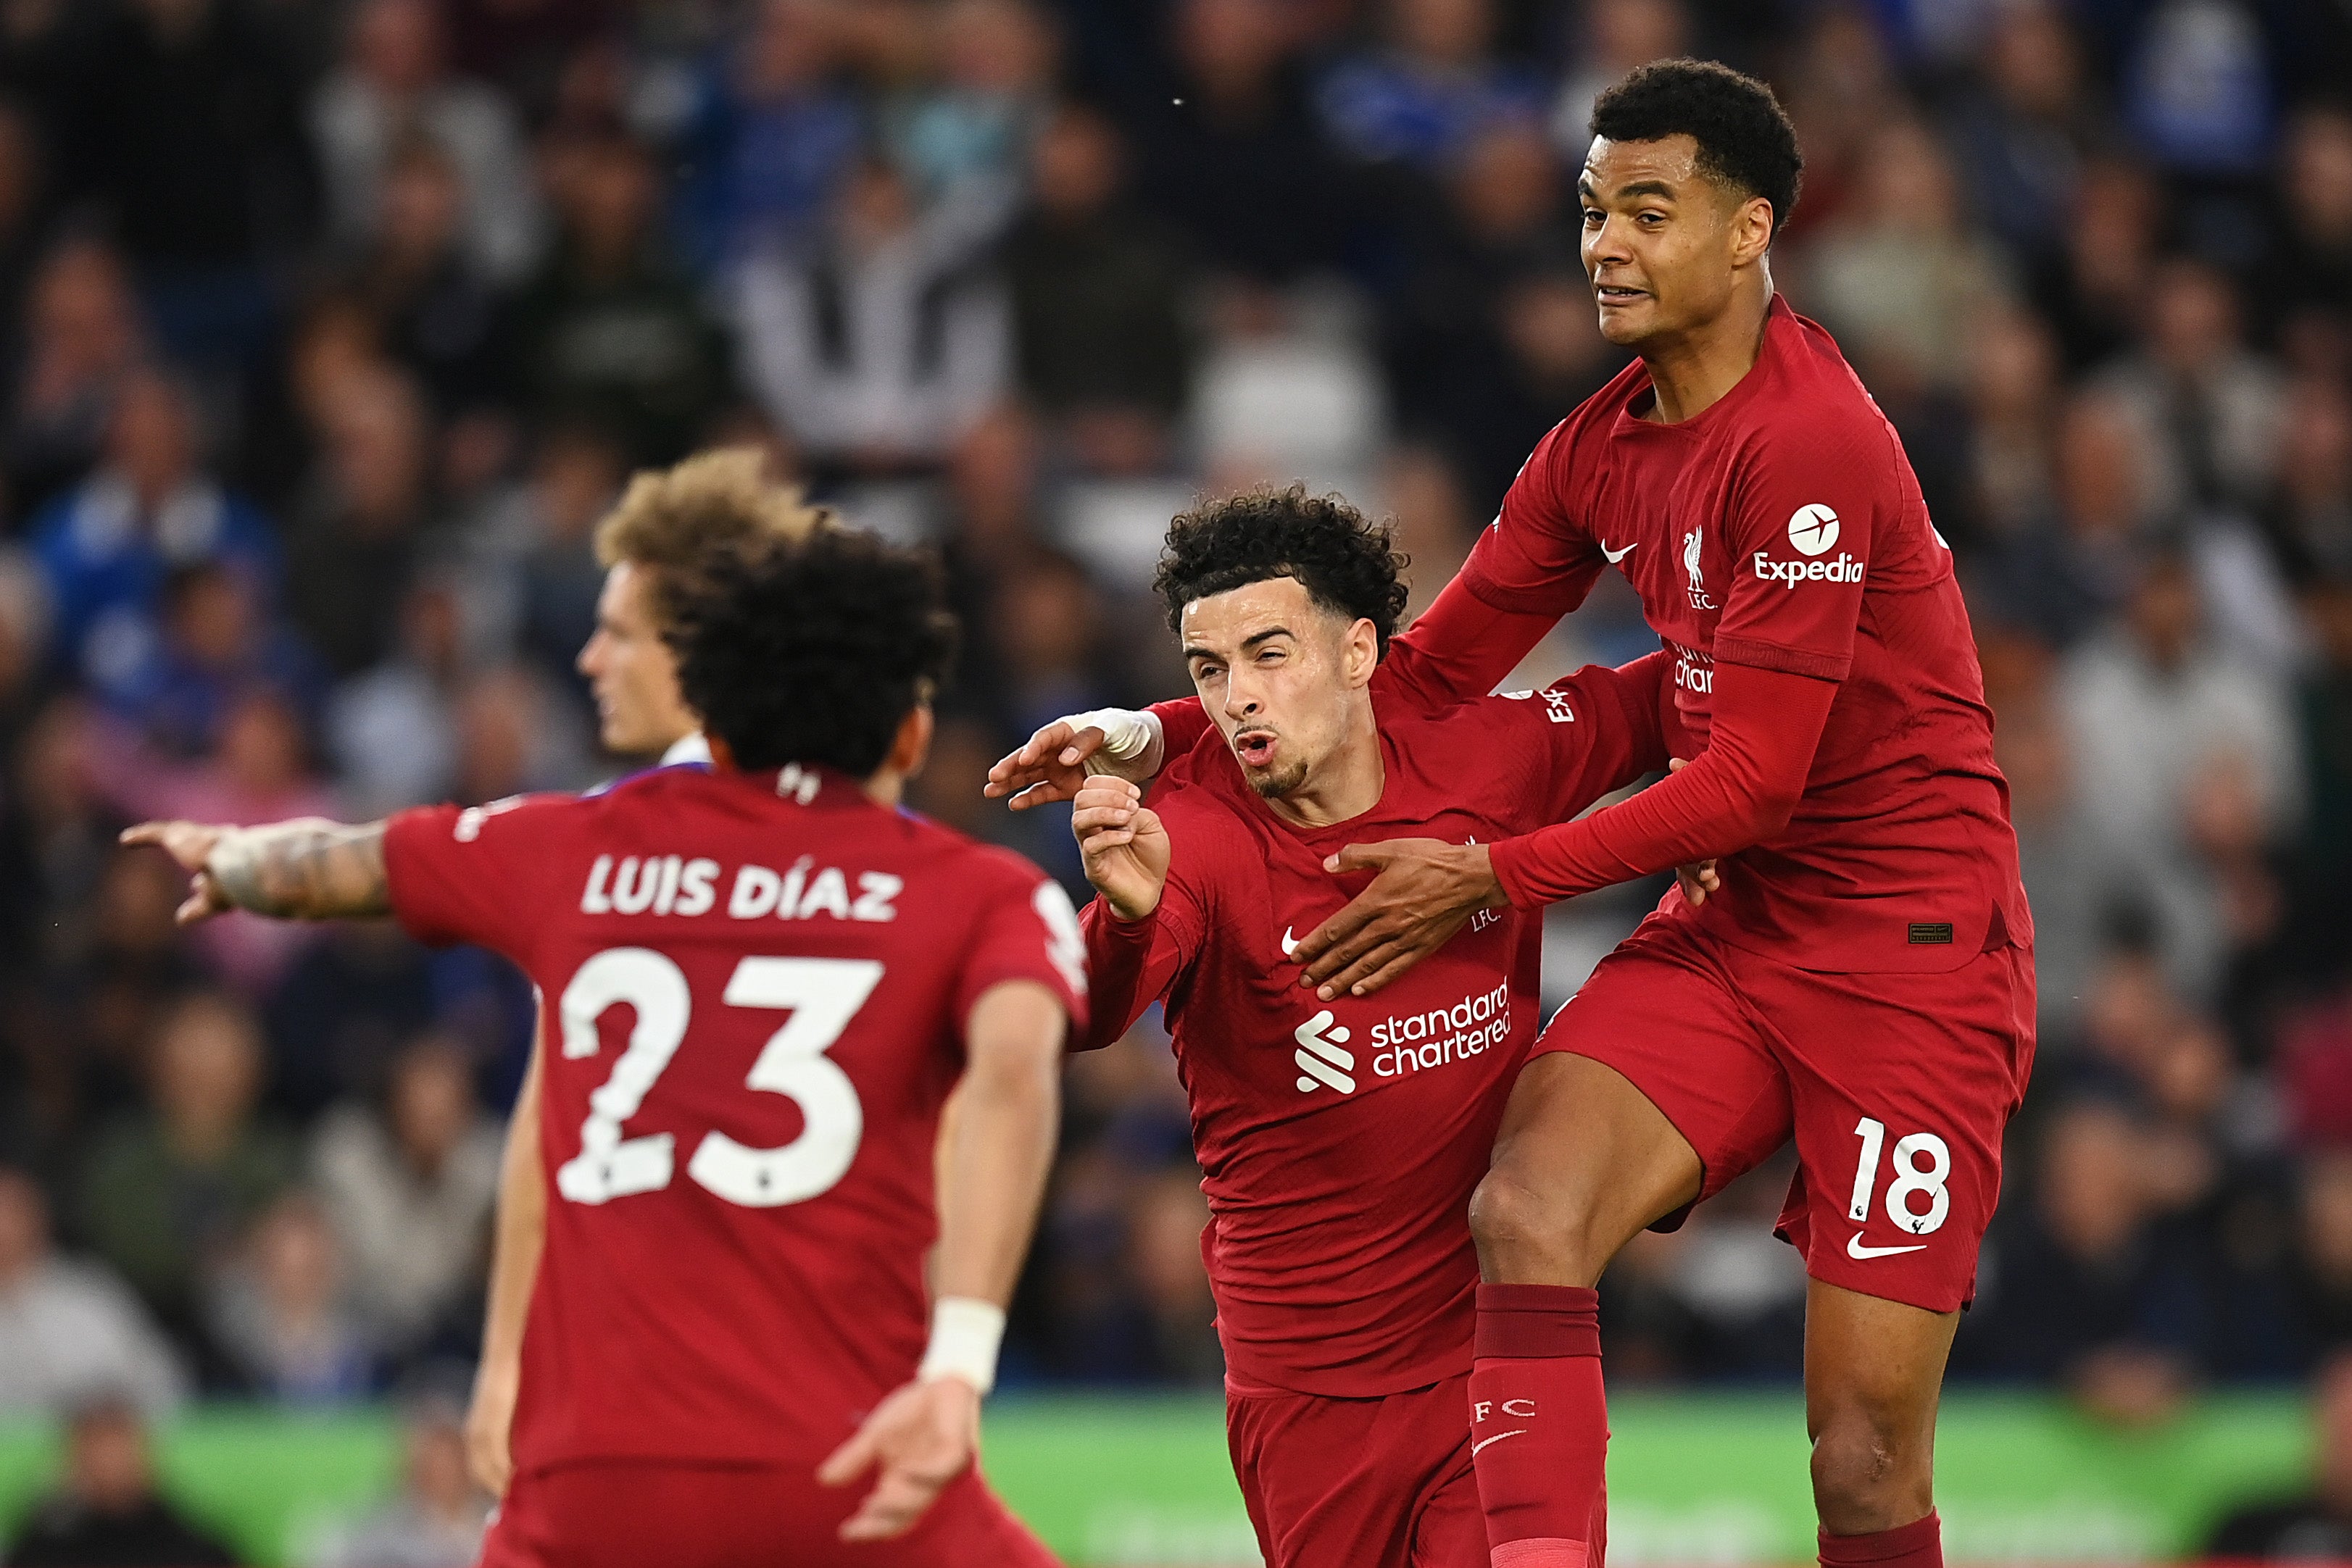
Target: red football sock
1919,1544
1539,1424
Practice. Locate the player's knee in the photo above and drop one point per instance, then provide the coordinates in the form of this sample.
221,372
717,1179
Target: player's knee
1871,1469
1532,1236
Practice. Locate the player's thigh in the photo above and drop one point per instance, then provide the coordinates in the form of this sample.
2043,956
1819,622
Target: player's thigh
1650,1088
1449,1527
1903,1086
1349,1483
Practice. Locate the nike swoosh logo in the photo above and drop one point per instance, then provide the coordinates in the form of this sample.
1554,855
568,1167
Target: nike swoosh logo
1861,1254
1515,1432
1615,555
1289,944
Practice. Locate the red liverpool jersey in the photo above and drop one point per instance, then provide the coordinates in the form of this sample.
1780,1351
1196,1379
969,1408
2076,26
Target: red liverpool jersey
755,989
1339,1142
1782,529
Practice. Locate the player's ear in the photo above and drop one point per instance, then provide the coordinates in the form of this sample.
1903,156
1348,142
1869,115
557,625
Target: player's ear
722,755
912,744
1751,231
1361,652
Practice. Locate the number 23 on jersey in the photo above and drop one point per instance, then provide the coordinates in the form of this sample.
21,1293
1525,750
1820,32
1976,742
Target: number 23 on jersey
823,996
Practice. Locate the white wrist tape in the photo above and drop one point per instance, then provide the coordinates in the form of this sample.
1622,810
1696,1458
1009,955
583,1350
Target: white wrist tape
965,1334
1129,738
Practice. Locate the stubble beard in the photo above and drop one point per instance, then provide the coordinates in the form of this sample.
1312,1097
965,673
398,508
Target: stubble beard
1273,783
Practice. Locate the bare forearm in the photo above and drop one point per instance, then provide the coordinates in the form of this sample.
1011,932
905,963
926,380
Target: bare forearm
522,1230
311,869
1001,1143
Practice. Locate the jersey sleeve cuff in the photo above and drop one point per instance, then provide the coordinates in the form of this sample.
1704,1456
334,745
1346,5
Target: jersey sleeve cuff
1762,655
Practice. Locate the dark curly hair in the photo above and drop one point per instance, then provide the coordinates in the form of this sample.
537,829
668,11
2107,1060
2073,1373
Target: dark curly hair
1745,139
1347,563
809,650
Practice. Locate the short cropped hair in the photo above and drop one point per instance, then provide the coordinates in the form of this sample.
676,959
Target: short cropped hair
670,519
1745,139
1347,564
810,649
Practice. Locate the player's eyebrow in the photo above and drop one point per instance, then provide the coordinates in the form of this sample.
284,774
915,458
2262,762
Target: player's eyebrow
1194,651
1638,188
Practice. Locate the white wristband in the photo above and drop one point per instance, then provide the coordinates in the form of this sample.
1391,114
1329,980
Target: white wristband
1129,738
965,1334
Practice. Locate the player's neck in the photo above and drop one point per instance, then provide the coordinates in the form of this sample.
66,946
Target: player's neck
1347,783
1691,372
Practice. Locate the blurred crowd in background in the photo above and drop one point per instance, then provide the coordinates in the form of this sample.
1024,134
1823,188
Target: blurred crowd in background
327,328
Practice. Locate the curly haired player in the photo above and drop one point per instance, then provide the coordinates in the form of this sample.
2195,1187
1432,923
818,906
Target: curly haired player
764,979
1339,1141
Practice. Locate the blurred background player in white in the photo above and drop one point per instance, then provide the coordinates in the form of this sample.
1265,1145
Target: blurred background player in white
719,1352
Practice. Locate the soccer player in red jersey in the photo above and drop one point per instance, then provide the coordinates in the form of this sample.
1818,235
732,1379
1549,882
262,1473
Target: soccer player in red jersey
764,978
667,522
1339,1141
1864,982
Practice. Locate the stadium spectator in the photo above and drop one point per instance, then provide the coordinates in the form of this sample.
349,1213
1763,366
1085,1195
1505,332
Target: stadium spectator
2073,559
80,335
434,304
107,1509
2303,296
1613,37
1098,296
356,539
1238,142
394,85
1902,277
168,1188
408,1190
2152,709
390,727
2024,127
107,547
1433,85
771,136
886,342
965,137
182,122
609,329
2090,1290
280,1312
437,1520
70,1330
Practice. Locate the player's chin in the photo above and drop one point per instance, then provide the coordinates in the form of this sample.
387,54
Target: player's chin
1628,322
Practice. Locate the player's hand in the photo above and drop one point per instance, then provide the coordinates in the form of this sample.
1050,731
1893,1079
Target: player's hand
1051,767
1698,878
1123,843
923,1436
1425,891
190,843
490,1428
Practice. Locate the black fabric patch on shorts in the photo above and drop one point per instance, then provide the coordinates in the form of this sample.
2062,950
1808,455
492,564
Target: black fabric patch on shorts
1926,934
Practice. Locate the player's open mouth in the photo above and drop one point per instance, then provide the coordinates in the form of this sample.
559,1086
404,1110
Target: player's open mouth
1255,748
1616,294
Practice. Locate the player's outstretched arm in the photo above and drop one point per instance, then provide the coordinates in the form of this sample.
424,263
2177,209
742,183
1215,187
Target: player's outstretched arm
307,869
520,1237
924,1436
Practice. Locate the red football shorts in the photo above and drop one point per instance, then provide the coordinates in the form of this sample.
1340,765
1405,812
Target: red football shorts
1896,1087
1358,1483
634,1513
